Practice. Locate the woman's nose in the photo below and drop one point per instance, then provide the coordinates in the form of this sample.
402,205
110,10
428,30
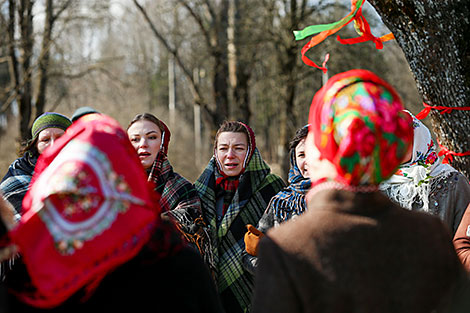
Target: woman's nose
143,142
230,153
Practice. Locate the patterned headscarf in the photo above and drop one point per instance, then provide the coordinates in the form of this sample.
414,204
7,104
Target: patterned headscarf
291,200
85,213
411,183
358,125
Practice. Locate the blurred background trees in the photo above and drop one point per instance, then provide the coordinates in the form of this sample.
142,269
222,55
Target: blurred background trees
193,63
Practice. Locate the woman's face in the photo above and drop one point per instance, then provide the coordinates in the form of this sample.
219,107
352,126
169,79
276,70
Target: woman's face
231,151
47,137
317,167
146,137
300,158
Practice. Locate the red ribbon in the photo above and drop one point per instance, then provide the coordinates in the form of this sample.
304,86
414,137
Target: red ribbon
363,29
427,108
449,155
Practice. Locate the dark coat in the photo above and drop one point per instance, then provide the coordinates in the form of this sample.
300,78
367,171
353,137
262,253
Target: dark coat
356,252
178,282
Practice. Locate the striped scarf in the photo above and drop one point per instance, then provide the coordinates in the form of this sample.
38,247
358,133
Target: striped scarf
256,188
291,200
15,183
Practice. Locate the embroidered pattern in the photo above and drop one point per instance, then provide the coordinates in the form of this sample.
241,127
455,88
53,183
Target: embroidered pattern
82,196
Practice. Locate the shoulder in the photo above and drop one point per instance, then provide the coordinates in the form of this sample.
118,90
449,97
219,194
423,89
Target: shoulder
274,180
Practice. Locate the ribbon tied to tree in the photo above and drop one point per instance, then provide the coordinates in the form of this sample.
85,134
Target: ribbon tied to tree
325,30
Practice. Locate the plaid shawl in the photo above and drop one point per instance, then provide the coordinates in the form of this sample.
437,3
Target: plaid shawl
291,200
15,183
257,187
179,200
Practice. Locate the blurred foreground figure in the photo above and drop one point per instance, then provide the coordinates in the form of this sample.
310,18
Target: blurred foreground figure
91,236
354,250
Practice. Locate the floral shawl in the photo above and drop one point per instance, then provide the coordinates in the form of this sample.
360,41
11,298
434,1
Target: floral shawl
412,182
358,124
85,212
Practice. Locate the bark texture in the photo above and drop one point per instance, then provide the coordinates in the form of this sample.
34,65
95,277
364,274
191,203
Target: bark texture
435,38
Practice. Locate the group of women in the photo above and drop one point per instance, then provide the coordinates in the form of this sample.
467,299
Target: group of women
223,215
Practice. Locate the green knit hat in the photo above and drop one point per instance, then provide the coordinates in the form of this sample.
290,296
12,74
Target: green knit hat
49,120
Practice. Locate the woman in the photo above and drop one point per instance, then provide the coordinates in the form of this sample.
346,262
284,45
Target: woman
178,197
235,189
46,129
92,237
286,204
354,250
423,183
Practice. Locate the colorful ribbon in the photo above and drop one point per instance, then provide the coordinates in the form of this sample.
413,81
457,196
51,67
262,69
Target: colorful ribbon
427,108
325,30
448,154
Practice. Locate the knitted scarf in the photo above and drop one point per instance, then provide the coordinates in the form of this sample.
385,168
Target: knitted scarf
15,183
256,188
291,200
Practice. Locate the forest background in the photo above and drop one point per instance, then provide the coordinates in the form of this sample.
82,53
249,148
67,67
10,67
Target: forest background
192,63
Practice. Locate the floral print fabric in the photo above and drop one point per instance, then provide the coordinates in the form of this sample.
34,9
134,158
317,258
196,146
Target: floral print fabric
359,125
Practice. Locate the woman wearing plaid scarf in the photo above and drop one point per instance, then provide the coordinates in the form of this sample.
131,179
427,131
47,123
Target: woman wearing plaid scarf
235,189
287,204
178,197
47,128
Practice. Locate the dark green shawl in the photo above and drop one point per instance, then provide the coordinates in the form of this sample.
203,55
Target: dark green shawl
257,187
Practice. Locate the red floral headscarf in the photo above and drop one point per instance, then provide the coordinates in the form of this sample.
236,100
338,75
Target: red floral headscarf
89,209
359,125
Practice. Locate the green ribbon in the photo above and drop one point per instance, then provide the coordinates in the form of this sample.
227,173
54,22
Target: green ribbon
314,29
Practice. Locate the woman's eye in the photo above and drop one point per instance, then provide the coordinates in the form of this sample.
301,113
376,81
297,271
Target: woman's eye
153,137
134,139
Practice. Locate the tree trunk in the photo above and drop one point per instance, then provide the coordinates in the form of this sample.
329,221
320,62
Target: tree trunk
239,72
25,12
44,59
220,68
435,38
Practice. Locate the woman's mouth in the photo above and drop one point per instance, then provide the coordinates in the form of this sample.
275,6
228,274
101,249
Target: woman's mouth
143,155
231,166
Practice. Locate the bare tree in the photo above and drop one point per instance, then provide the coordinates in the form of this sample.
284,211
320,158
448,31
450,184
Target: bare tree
20,52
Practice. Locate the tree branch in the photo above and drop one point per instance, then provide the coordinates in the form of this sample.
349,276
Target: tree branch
198,98
199,21
61,9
